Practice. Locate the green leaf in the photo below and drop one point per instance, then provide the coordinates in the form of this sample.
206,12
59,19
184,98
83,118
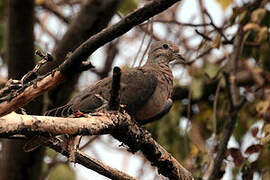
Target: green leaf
127,6
62,172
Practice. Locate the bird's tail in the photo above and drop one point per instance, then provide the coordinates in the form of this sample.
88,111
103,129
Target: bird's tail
62,111
37,141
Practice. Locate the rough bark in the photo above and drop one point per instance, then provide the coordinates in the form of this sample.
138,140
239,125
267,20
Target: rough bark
119,124
15,163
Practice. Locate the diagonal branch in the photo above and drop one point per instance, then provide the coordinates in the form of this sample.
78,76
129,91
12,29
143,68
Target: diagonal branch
89,162
139,139
120,28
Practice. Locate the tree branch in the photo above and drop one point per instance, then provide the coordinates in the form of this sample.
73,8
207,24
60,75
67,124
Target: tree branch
89,162
30,93
13,123
233,105
114,102
118,124
139,139
109,34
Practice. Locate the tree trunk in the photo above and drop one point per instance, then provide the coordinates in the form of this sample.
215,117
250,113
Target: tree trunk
15,163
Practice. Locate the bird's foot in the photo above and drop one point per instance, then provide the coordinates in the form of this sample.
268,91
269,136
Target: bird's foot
78,114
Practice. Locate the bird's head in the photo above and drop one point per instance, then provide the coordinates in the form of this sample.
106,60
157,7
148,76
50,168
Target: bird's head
164,51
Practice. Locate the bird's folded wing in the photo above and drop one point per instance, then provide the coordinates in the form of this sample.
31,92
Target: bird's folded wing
137,86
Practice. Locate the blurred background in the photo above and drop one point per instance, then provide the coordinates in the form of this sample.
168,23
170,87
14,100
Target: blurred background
203,29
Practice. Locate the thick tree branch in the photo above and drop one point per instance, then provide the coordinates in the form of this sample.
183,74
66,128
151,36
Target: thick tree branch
30,93
116,123
139,139
24,124
120,28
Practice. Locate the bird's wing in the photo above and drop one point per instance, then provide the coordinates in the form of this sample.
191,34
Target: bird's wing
137,86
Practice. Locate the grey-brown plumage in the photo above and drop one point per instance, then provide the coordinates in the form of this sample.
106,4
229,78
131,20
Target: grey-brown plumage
145,91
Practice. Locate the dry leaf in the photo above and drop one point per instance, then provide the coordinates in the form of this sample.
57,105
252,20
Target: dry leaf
254,148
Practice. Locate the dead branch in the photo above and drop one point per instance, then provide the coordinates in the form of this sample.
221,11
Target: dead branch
89,162
13,123
139,139
114,102
116,123
30,93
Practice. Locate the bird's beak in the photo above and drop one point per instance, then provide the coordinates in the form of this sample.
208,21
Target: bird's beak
178,58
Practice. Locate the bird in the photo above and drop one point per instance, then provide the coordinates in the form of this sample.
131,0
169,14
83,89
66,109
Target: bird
145,91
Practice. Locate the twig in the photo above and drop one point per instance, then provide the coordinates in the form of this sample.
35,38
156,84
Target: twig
112,51
114,102
139,50
53,9
234,106
148,45
181,24
226,134
144,29
31,92
90,163
92,139
219,30
215,108
203,35
207,51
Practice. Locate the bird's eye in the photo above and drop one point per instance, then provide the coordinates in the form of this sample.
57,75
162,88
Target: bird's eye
165,46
